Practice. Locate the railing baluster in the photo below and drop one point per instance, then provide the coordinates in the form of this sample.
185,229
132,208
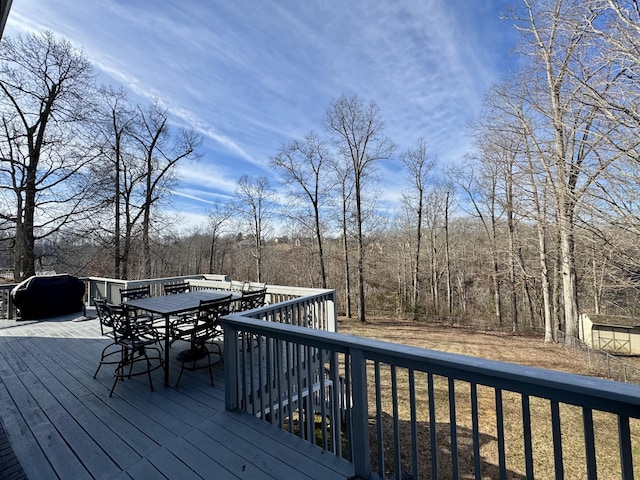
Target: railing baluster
453,428
526,427
589,444
252,383
557,439
262,378
396,427
475,431
336,394
379,429
244,372
432,427
415,471
271,377
290,350
626,454
323,400
278,373
299,374
500,430
310,417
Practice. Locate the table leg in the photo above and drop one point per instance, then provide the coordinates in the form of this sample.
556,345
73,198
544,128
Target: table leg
167,343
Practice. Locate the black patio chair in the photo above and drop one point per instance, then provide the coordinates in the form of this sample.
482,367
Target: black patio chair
251,299
135,293
136,341
112,349
171,288
201,331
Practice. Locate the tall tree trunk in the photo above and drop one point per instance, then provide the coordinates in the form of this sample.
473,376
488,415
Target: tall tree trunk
323,270
347,273
512,247
117,234
447,252
361,300
569,281
495,278
415,280
434,270
146,223
546,284
28,264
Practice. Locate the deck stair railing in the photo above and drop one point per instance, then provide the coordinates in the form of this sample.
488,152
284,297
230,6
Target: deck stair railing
393,409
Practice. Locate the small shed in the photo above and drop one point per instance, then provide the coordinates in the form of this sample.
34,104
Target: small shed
614,334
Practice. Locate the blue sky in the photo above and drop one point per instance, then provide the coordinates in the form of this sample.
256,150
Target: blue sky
250,75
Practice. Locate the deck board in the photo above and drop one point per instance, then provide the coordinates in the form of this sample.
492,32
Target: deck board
61,422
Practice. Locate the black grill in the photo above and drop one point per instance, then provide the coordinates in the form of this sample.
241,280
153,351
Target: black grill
48,296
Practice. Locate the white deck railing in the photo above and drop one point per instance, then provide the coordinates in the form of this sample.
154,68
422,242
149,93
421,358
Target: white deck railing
390,407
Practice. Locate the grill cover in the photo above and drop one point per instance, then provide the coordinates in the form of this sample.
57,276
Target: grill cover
48,296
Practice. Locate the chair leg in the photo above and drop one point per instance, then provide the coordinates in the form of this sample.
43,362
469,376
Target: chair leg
194,367
129,358
105,353
119,371
210,368
146,356
180,376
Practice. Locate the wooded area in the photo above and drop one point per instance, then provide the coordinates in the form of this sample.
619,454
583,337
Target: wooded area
538,223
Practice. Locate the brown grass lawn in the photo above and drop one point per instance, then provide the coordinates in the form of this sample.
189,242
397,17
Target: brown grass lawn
525,350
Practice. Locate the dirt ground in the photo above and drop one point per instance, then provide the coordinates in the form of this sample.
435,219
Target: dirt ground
524,350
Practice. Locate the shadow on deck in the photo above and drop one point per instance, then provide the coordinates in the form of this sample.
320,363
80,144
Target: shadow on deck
61,423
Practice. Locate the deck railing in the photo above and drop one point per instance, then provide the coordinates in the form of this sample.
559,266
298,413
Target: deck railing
394,409
109,288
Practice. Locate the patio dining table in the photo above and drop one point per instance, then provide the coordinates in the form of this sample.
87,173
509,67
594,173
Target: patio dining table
179,303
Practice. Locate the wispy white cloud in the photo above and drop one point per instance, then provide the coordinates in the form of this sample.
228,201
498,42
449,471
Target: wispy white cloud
250,75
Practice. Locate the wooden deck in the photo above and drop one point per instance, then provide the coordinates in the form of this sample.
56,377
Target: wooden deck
61,423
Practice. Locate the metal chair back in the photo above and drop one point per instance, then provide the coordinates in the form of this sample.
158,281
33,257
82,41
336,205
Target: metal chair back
171,288
252,299
135,292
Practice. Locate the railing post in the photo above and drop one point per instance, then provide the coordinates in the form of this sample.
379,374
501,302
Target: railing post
231,399
332,317
361,455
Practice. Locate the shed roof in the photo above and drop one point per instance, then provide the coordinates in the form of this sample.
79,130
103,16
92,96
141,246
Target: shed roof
614,320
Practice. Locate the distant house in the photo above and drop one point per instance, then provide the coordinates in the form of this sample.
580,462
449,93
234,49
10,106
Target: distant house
614,334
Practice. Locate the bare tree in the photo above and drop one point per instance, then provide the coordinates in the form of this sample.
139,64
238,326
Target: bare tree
255,204
46,87
344,181
448,205
481,190
219,215
557,37
358,132
160,153
114,125
419,164
302,165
